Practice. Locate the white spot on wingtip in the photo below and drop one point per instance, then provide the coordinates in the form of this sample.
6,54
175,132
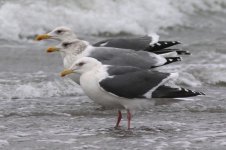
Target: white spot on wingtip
103,44
186,90
158,44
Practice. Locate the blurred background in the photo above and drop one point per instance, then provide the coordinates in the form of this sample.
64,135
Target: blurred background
40,110
21,19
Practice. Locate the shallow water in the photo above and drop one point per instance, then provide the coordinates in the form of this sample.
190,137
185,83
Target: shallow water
41,111
77,123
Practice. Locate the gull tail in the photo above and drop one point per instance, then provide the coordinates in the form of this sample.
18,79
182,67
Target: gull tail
169,92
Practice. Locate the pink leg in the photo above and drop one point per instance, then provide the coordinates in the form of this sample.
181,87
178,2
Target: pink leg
129,116
119,118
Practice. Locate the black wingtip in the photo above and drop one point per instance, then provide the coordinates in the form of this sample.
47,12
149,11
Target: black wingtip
193,93
178,42
172,59
201,93
178,51
161,45
169,92
183,52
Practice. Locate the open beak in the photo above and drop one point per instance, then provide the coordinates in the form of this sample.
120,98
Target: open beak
66,72
42,37
52,49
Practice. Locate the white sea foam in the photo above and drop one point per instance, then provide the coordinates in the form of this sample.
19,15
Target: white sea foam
3,143
37,85
24,18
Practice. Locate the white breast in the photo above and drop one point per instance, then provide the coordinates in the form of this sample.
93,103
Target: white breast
70,58
90,84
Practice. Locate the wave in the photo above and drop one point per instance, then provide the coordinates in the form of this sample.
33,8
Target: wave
198,75
36,85
24,18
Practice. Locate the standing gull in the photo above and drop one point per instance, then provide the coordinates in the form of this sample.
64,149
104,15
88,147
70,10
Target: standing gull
120,87
72,51
147,43
75,49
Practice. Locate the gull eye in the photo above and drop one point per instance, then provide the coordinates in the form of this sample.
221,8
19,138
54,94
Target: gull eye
66,44
80,64
59,31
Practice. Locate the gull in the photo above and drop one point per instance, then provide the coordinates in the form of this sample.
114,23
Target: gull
120,87
149,42
76,49
72,50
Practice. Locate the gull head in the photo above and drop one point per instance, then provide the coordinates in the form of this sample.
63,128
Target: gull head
83,65
59,33
69,46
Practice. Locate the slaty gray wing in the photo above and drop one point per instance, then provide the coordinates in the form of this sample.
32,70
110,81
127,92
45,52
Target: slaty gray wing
132,82
124,57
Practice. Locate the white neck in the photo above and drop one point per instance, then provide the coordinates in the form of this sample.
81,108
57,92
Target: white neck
68,60
70,57
98,72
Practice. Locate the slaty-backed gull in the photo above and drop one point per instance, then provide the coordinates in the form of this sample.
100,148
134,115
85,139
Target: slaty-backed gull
120,87
73,50
147,43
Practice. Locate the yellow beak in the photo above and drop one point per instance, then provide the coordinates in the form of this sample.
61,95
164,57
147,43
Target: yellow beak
42,37
66,72
52,49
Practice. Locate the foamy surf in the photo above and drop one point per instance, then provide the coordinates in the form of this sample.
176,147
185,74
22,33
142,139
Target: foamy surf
37,85
23,19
